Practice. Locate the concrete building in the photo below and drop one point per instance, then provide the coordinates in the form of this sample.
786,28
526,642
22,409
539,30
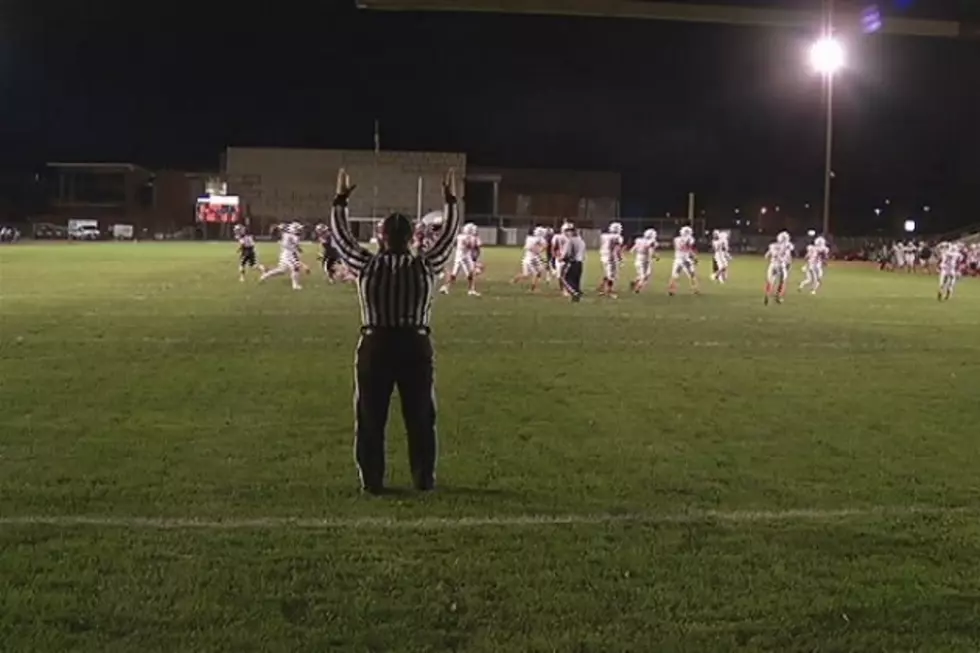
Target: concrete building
280,184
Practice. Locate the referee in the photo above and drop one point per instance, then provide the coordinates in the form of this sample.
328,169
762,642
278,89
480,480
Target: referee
395,291
573,259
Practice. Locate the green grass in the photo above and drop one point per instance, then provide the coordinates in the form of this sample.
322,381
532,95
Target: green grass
647,474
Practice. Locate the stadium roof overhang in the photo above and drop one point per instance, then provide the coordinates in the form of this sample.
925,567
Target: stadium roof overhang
684,12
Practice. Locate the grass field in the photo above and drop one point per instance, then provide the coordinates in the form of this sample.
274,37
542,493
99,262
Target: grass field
648,474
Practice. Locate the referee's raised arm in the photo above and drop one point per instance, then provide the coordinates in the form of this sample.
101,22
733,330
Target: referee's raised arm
395,288
351,252
438,255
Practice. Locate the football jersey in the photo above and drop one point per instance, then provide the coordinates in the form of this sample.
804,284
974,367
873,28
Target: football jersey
816,254
949,262
780,254
643,248
533,246
610,246
684,249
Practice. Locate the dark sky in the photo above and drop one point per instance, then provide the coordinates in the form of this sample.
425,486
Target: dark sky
730,112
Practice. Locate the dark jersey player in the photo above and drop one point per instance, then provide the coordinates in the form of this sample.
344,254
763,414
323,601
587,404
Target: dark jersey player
246,251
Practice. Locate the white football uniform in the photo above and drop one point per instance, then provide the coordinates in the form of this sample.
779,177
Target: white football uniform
815,257
531,264
643,253
684,254
910,253
289,251
721,253
467,249
610,255
558,243
546,252
780,257
949,268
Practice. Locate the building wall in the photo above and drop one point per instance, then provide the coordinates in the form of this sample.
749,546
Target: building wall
174,195
72,194
585,196
168,207
280,184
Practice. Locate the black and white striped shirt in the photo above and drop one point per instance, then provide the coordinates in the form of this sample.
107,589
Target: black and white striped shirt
395,289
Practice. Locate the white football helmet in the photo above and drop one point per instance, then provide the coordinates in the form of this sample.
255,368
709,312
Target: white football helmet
687,232
469,229
615,228
820,242
294,228
432,218
539,232
715,234
650,234
783,237
567,226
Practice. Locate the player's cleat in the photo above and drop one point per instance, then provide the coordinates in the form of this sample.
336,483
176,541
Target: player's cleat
473,293
765,300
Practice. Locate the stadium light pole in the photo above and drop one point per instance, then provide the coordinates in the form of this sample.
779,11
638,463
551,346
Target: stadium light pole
827,57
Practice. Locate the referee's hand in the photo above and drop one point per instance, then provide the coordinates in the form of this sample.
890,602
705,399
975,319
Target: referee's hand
344,187
449,186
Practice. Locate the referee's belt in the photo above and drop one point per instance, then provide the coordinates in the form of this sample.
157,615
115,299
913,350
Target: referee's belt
406,330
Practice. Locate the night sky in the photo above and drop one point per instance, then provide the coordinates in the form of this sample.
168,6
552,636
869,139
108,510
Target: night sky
732,113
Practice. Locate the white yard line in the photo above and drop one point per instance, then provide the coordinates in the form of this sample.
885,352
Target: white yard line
867,345
501,521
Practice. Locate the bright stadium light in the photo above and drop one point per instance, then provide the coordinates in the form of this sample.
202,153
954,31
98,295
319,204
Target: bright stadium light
909,226
827,56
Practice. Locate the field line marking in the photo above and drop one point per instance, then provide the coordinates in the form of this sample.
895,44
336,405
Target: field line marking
506,342
500,521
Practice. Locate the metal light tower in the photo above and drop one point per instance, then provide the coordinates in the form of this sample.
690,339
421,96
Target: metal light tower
827,57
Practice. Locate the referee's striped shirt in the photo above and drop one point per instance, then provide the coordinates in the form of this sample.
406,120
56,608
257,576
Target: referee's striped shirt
395,289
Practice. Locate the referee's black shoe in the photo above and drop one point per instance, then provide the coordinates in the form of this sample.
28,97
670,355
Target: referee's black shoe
424,484
373,490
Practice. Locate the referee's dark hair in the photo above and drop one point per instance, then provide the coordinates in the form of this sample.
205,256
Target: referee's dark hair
394,287
396,233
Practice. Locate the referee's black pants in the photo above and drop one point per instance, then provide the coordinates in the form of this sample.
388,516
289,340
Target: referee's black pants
387,358
573,278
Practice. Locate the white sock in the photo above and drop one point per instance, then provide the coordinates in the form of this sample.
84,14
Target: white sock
274,272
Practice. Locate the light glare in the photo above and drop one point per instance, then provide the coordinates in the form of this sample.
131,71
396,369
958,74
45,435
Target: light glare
909,226
827,56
